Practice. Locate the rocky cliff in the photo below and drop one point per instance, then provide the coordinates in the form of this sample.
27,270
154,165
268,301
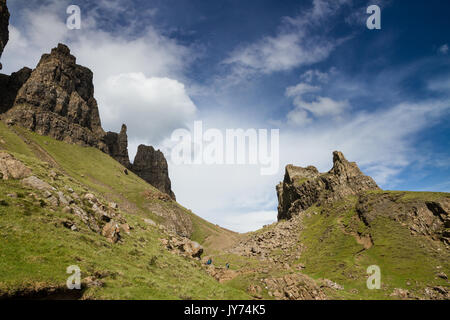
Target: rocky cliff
58,100
151,165
4,22
303,187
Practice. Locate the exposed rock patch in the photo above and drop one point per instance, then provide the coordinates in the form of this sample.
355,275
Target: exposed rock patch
428,218
36,183
294,287
282,237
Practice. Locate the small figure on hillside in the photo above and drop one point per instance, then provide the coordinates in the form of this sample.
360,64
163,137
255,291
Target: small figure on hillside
209,262
227,266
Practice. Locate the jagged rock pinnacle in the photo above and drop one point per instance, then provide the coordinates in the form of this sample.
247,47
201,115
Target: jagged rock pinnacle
304,187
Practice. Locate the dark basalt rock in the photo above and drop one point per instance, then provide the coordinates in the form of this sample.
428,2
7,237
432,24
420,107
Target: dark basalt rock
9,87
58,100
151,165
117,144
304,187
4,23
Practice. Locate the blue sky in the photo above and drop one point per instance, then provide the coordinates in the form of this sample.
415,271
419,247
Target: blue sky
309,68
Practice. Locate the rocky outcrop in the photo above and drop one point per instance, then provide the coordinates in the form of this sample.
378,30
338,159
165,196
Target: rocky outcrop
421,217
10,86
294,287
58,100
11,168
183,246
304,187
4,22
282,236
117,144
151,165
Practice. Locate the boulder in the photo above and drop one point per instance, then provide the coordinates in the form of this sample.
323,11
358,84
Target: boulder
36,183
111,231
183,246
10,168
294,287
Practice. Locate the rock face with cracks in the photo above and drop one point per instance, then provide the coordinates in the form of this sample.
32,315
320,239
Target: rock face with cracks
57,100
303,187
151,165
118,146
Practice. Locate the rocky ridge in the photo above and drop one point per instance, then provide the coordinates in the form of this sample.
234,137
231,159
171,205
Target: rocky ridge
304,187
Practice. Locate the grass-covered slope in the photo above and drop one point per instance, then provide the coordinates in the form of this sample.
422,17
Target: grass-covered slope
340,246
36,247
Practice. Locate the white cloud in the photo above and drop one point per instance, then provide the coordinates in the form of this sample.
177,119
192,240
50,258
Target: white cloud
323,106
152,107
298,117
300,89
300,41
280,53
319,106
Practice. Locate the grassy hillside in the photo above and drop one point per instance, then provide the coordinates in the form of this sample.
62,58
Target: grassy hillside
335,248
36,247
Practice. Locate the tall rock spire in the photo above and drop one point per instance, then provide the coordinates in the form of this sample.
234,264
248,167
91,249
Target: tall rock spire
118,146
151,165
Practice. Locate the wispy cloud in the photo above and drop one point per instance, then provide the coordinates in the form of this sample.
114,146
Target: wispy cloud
300,41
